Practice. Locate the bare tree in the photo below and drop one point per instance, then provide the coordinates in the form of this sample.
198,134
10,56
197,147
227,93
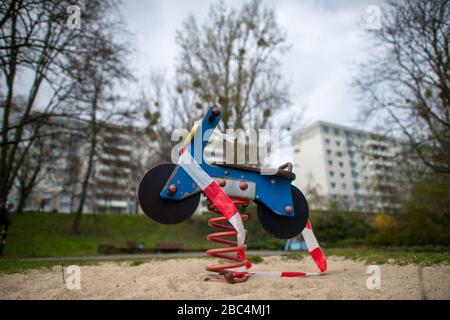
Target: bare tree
314,192
33,42
165,107
36,43
98,71
232,58
42,156
405,87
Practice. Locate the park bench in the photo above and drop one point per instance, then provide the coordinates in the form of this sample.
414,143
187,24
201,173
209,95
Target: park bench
169,247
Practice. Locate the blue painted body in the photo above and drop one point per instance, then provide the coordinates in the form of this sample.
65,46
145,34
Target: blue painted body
271,190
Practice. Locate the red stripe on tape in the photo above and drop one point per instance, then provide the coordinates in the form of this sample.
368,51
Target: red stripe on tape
308,225
319,258
242,256
293,274
221,200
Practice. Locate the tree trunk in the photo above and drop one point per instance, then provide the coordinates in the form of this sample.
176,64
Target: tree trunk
26,186
21,203
84,188
4,175
24,194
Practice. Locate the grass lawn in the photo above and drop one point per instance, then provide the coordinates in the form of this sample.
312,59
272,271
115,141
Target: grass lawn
47,234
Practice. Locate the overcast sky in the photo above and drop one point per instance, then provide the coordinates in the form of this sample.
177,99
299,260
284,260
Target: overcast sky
326,38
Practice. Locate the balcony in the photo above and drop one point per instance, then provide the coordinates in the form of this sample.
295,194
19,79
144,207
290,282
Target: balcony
113,203
370,143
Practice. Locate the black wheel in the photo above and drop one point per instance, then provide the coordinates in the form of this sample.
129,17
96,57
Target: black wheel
285,227
162,210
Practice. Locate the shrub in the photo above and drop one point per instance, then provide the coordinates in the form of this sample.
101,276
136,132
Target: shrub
424,218
339,226
383,221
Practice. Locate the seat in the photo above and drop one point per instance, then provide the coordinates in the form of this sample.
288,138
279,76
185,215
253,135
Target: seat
281,172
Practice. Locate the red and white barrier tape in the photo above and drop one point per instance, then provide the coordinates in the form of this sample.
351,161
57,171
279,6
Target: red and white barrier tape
226,206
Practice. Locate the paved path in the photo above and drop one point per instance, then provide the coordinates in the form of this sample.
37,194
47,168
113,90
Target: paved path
141,256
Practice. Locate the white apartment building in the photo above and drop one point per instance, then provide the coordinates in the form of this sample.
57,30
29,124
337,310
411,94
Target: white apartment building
112,183
353,169
55,190
120,161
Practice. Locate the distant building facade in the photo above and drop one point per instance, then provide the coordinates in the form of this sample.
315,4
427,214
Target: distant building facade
353,169
122,157
56,189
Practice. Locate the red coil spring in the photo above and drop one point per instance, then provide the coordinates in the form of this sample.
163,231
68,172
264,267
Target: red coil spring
233,247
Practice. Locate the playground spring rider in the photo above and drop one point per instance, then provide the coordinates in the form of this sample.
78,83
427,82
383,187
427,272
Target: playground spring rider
170,193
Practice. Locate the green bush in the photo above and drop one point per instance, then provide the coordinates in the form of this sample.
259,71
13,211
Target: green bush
424,218
336,226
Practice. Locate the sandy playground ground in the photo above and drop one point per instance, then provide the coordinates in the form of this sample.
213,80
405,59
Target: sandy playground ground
185,279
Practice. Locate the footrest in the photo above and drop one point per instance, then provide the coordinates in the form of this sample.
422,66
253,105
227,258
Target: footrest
279,172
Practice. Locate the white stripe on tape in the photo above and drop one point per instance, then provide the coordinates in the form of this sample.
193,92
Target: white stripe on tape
193,169
268,274
310,239
236,222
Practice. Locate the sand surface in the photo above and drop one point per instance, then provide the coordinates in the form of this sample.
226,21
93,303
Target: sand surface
185,279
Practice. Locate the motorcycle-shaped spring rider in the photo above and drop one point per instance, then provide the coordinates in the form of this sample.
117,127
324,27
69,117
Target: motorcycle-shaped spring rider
170,193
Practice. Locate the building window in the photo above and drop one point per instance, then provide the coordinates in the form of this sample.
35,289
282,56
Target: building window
339,154
338,143
332,173
344,186
330,162
336,132
325,129
333,185
297,150
354,174
341,164
329,152
327,141
342,175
